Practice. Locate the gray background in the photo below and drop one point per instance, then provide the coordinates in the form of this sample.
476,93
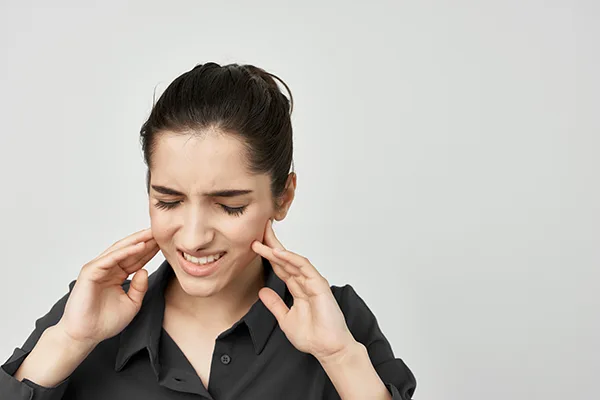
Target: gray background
446,154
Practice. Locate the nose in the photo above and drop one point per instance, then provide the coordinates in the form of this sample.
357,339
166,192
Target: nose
196,232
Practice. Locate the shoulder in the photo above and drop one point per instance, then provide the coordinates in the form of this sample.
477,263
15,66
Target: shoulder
348,299
364,326
50,318
359,317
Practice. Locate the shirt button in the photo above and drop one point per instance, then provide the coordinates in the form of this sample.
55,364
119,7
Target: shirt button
225,359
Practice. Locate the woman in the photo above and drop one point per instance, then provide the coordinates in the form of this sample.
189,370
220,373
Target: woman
230,314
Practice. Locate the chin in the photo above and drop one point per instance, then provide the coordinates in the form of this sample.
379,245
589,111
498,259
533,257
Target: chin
199,289
205,286
206,281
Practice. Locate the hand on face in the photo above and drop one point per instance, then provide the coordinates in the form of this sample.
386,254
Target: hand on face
314,324
98,308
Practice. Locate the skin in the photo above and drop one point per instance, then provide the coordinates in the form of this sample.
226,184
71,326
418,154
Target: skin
194,165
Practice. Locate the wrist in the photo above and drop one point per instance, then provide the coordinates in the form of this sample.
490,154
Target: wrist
353,375
347,354
66,342
54,357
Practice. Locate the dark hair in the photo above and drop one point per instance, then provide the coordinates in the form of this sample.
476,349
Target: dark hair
241,100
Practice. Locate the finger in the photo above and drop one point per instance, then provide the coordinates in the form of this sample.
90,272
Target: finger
274,304
270,238
290,266
290,259
280,272
268,253
151,247
138,287
142,261
300,286
112,259
140,236
296,287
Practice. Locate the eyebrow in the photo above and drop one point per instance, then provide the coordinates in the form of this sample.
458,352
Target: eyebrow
216,193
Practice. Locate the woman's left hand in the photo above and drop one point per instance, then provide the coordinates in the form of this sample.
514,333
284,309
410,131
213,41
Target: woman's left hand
314,324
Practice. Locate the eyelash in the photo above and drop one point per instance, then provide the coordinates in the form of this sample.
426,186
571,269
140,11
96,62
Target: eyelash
236,211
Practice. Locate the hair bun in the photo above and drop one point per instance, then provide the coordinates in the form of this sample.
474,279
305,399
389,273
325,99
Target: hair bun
271,82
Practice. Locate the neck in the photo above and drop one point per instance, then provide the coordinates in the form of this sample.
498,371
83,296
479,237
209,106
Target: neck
228,305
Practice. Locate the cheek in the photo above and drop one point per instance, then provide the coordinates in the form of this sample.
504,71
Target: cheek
239,231
244,230
161,226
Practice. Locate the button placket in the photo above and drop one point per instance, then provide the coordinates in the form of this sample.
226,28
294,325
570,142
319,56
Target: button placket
223,363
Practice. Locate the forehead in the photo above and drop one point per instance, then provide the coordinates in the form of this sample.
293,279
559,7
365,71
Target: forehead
203,161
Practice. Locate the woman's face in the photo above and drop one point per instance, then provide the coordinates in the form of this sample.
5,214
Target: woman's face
189,216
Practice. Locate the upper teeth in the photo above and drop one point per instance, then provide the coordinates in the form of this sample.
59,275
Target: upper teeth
202,260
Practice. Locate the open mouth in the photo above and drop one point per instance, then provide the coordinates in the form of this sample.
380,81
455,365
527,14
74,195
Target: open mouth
202,266
203,260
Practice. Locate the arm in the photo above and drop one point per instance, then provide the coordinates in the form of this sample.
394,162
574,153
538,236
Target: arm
53,359
39,369
354,376
327,322
96,308
391,371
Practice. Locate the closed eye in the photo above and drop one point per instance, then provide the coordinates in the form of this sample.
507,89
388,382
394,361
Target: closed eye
237,211
164,205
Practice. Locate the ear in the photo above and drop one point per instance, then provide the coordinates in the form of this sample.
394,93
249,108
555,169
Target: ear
287,197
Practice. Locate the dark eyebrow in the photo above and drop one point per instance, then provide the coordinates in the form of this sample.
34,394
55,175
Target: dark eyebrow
216,193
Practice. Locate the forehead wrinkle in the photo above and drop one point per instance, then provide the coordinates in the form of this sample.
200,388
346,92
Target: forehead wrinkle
221,167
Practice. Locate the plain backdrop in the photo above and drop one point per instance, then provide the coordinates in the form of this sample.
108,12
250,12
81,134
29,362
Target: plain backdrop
446,151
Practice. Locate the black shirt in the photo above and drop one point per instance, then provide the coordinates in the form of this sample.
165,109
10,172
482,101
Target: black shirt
251,360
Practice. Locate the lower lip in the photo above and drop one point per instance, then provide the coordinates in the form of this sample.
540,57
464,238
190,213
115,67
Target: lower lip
198,270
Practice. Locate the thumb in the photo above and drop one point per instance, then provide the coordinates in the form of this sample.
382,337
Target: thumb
274,303
138,287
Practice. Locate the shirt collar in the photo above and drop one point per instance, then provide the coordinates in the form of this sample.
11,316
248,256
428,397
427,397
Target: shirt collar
259,319
145,328
144,331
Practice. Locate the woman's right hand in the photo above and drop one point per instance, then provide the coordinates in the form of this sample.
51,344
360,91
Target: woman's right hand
98,308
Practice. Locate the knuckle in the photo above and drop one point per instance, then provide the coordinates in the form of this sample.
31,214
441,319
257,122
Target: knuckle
86,274
88,266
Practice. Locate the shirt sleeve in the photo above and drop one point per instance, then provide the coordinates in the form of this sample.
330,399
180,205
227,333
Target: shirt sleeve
11,388
394,373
